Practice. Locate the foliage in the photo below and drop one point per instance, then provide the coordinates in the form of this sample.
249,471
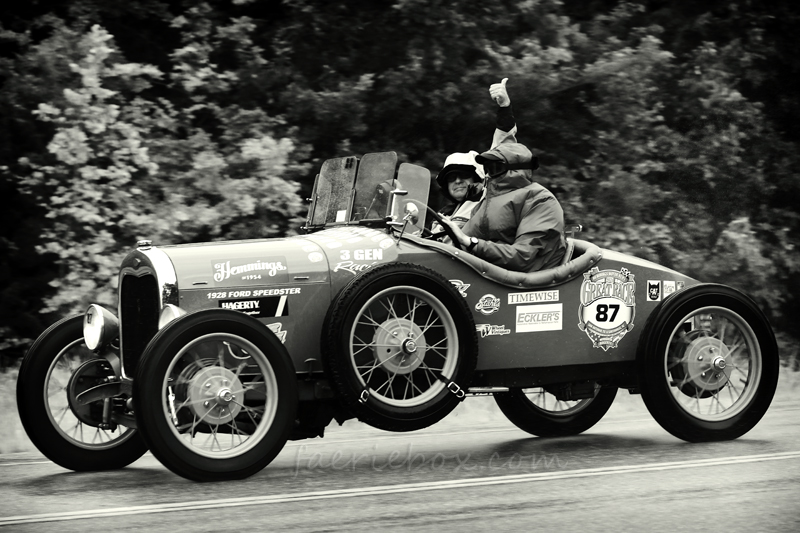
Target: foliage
668,130
127,168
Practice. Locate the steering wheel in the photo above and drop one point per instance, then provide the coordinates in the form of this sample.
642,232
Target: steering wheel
447,229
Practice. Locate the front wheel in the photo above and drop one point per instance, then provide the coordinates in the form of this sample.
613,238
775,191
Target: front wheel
216,396
708,365
54,371
540,413
400,346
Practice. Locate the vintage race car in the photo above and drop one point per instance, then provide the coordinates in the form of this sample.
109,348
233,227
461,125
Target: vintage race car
220,352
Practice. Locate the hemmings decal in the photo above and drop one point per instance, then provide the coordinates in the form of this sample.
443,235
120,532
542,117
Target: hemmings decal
653,290
489,304
259,307
543,317
250,270
460,286
532,297
608,306
276,329
489,329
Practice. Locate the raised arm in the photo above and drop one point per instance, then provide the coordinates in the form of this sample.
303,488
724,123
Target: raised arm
506,128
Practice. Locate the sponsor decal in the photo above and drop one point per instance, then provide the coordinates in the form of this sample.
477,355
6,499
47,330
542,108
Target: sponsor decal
532,297
351,266
679,285
315,257
653,290
276,329
272,267
489,304
460,286
489,329
669,288
608,306
542,317
255,294
341,215
374,254
386,243
311,248
270,306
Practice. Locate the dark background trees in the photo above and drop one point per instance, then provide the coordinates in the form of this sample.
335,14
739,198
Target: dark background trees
668,129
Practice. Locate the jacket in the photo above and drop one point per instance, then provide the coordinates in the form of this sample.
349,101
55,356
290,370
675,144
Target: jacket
519,224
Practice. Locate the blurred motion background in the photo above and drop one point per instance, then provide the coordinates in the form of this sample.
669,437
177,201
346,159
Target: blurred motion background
669,129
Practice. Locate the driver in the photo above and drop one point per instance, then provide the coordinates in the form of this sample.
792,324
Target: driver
519,225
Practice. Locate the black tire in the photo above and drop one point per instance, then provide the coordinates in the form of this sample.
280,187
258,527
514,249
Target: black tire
46,414
425,332
708,364
215,395
539,413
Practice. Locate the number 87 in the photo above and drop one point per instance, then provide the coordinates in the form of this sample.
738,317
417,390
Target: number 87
602,312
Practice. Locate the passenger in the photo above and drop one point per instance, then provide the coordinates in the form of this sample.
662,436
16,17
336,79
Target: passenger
462,179
519,225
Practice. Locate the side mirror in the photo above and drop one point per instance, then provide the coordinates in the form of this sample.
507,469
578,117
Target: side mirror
411,212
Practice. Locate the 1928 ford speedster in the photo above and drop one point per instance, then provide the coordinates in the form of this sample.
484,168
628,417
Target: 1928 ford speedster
220,352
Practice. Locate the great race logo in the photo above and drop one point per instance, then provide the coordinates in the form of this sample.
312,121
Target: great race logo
608,306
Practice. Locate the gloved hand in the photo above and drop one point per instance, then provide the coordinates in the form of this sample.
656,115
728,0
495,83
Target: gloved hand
499,93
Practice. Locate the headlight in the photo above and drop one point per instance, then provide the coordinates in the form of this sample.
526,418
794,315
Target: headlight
168,314
100,326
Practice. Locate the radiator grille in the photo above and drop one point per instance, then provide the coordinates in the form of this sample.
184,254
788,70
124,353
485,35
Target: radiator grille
139,308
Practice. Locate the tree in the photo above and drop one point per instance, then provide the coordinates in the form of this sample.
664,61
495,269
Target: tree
126,168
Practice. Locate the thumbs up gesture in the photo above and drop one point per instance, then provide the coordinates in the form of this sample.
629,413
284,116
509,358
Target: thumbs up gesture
499,93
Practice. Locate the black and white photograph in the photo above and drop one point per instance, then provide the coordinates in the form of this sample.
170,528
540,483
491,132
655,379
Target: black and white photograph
400,265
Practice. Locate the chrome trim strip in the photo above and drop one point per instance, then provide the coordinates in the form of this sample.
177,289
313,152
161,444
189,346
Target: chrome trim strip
166,277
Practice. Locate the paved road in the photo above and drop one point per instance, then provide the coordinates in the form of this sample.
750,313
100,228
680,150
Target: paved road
473,471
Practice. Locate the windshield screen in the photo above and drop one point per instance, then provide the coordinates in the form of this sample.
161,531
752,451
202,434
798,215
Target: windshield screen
349,191
374,185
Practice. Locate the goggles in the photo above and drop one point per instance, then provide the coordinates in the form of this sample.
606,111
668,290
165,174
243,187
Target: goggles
494,167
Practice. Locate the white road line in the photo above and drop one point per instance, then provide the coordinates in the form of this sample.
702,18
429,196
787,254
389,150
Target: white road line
391,489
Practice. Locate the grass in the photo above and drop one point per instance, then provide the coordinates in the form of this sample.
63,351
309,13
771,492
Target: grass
474,412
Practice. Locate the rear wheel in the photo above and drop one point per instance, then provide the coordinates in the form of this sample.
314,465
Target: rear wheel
216,396
56,369
709,366
540,413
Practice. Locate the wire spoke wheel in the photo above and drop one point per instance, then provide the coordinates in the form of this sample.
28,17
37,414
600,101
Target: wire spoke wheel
708,364
541,413
220,393
548,403
216,395
82,433
713,363
402,344
78,436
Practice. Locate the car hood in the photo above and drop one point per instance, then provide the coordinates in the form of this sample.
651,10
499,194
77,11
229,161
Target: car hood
247,263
